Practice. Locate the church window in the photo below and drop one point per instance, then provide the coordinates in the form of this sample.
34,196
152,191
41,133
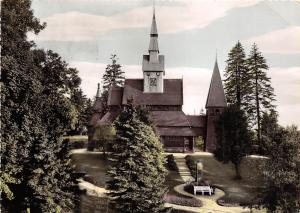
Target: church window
153,81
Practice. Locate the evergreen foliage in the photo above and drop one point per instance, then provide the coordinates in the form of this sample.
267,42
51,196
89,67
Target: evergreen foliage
36,112
137,170
233,137
113,76
282,172
262,93
237,78
269,127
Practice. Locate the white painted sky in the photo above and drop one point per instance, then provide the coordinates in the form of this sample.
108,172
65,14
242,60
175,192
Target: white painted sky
85,32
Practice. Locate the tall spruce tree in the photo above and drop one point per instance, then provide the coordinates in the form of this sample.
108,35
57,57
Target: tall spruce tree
35,113
237,78
262,94
137,170
282,172
113,76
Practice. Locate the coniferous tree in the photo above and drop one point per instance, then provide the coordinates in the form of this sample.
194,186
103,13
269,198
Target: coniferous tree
282,172
269,127
137,170
262,94
36,111
237,78
113,76
233,137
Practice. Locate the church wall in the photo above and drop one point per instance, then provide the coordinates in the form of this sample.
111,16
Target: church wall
213,115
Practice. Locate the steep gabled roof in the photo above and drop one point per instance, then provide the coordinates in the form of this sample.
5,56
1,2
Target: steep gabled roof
197,120
216,96
170,118
172,95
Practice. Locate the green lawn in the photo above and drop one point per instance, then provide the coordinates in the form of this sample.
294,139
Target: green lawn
93,165
222,175
77,138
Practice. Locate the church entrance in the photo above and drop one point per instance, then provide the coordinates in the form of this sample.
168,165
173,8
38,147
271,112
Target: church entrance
177,143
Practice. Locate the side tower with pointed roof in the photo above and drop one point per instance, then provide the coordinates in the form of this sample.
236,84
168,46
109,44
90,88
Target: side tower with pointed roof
216,104
153,64
98,113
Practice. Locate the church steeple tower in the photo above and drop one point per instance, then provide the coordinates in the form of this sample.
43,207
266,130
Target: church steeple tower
153,45
215,105
98,94
153,64
216,96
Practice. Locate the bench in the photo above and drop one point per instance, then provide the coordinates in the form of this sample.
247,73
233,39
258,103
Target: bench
203,189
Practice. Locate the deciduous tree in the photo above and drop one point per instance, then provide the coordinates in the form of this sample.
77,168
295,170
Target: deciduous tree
282,172
36,111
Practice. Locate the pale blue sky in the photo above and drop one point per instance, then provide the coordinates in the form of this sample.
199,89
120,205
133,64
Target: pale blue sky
86,32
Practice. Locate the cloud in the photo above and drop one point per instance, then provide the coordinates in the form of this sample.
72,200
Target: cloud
285,41
286,82
77,26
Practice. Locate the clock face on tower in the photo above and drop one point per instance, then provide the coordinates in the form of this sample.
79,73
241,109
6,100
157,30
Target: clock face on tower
153,81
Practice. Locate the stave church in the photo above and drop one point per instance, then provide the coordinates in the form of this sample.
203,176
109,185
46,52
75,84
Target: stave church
164,99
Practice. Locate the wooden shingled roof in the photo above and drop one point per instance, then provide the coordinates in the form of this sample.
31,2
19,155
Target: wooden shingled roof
172,95
170,118
216,96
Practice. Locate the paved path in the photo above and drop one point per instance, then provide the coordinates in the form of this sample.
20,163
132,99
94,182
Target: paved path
209,202
183,170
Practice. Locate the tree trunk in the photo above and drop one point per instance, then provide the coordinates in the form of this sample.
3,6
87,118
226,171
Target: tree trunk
237,171
257,107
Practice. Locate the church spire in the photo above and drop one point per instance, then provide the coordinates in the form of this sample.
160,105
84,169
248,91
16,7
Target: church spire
98,94
153,46
216,96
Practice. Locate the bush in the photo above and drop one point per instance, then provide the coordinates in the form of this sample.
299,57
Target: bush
190,162
77,144
199,143
183,201
171,163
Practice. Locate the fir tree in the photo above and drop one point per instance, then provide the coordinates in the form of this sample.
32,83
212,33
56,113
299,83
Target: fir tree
282,172
237,78
113,76
137,170
262,94
233,137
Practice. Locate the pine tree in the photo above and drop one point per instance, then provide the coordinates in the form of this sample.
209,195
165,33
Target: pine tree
113,76
262,94
237,78
282,172
36,112
233,137
137,170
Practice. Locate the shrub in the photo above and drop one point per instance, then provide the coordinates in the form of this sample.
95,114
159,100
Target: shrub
199,143
77,144
183,201
171,163
190,162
